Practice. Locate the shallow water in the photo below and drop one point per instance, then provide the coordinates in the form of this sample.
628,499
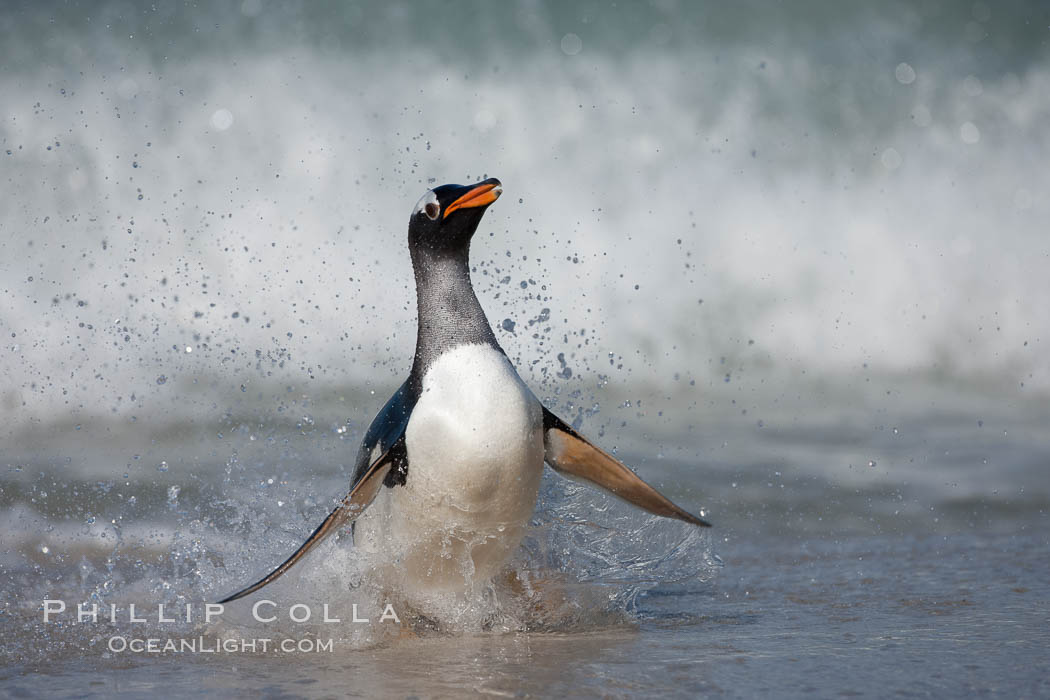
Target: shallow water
911,616
904,579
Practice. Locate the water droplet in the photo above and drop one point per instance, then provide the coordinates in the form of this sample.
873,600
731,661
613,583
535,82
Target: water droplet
969,133
222,119
571,44
891,159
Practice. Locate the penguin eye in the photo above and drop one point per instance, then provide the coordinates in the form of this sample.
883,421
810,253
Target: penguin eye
428,204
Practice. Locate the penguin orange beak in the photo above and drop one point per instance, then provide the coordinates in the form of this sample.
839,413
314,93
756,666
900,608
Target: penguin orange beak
484,194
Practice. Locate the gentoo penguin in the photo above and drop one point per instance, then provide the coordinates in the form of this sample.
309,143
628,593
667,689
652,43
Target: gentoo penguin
453,460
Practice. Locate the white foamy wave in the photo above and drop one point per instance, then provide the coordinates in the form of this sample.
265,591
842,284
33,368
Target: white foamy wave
173,235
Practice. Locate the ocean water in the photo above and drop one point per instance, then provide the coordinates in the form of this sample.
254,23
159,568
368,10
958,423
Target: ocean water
786,261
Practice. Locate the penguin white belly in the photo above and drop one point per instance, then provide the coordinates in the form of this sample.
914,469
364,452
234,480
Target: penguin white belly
475,459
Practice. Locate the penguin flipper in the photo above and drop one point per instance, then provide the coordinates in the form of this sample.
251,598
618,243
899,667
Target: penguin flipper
354,503
570,454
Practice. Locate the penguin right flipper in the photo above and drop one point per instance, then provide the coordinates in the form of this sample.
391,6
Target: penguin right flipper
386,428
354,503
569,453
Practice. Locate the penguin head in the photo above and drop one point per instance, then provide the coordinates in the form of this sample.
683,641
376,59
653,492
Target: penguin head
446,217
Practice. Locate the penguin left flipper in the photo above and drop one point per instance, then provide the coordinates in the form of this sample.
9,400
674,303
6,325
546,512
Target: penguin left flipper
354,503
569,453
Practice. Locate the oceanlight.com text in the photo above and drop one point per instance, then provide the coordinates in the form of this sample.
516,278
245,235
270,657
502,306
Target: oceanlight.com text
202,645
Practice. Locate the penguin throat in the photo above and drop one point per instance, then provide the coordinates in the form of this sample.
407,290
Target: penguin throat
448,312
